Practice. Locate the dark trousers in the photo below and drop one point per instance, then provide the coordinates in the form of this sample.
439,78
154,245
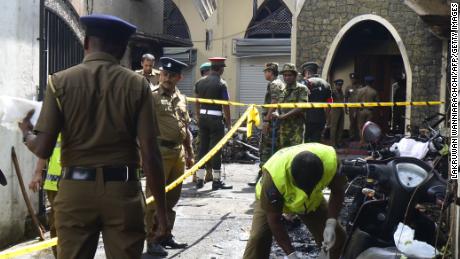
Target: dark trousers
211,131
313,131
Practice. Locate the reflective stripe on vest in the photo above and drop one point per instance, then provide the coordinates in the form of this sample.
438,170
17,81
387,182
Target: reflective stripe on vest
54,168
278,166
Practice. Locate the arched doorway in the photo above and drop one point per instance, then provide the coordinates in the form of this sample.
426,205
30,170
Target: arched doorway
369,45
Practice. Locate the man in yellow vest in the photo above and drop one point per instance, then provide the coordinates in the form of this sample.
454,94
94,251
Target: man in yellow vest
292,182
51,183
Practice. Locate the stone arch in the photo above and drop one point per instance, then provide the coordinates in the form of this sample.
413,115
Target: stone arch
399,42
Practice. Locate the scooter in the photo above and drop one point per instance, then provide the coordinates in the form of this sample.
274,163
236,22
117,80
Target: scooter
396,188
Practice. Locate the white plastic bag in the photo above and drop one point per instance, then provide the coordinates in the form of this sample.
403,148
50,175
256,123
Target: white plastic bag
410,148
404,240
14,109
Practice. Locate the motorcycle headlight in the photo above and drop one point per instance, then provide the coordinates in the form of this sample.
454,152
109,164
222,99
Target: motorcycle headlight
410,175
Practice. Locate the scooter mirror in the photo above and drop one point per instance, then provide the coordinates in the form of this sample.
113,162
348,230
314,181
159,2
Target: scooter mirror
2,178
371,132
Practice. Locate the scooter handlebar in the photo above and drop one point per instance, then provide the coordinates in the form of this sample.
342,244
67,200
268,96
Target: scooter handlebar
352,168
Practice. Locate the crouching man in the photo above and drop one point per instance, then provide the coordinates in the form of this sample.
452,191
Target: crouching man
292,182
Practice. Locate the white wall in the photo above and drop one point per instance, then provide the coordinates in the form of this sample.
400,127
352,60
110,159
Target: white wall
19,65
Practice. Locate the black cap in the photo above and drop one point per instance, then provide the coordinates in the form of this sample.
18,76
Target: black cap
369,79
107,26
311,66
172,65
338,81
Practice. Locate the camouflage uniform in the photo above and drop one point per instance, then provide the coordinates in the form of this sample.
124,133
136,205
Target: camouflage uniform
274,89
292,128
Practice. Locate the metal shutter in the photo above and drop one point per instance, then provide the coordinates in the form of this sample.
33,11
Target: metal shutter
252,83
186,84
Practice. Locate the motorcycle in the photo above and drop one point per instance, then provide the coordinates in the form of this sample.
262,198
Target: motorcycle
396,190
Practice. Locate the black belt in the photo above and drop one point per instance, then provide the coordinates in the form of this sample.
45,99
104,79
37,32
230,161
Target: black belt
111,174
168,144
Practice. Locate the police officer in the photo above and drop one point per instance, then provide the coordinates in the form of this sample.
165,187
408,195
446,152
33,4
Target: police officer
269,137
175,140
319,92
292,182
50,185
211,121
205,69
366,94
102,110
351,97
147,63
337,114
291,120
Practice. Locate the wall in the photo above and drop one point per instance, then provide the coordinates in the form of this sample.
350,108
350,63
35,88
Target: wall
146,15
229,21
19,30
315,35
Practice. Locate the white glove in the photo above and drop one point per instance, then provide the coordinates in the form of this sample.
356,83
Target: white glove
292,255
329,234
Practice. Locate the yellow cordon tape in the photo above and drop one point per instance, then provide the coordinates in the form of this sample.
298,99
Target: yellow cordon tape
209,155
317,105
252,116
29,249
248,115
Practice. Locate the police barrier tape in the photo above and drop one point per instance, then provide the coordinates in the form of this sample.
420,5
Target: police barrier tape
318,105
251,115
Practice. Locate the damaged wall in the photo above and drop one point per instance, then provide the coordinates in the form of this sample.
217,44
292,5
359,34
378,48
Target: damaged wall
19,30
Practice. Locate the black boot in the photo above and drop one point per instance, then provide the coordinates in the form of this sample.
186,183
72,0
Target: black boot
216,185
171,242
156,249
256,180
199,183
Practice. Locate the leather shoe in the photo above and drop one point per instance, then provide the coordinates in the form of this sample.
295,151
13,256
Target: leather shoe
170,242
253,183
216,185
156,249
199,183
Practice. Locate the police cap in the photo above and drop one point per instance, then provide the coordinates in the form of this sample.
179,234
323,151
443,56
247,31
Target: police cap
338,81
172,65
369,79
217,61
311,66
107,26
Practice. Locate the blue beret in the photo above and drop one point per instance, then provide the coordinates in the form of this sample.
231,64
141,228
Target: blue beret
369,79
107,26
172,65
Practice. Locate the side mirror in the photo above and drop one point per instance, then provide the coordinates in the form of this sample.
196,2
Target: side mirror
371,132
2,178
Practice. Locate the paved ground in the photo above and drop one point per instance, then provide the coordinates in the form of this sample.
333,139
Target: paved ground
215,224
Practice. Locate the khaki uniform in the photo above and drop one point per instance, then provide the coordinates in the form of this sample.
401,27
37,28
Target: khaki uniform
96,112
271,200
173,118
292,129
337,119
274,89
351,97
366,94
153,77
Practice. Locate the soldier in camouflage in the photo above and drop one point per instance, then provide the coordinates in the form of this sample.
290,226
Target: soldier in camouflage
268,142
291,121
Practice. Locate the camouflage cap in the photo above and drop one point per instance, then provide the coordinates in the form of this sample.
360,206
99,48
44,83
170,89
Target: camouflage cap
272,66
289,67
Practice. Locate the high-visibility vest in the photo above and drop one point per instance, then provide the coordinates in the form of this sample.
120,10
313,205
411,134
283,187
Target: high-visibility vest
54,168
279,167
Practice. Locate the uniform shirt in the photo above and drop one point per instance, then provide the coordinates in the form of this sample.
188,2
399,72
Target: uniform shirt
294,93
338,97
367,94
351,93
274,89
320,91
171,113
211,87
152,77
100,103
